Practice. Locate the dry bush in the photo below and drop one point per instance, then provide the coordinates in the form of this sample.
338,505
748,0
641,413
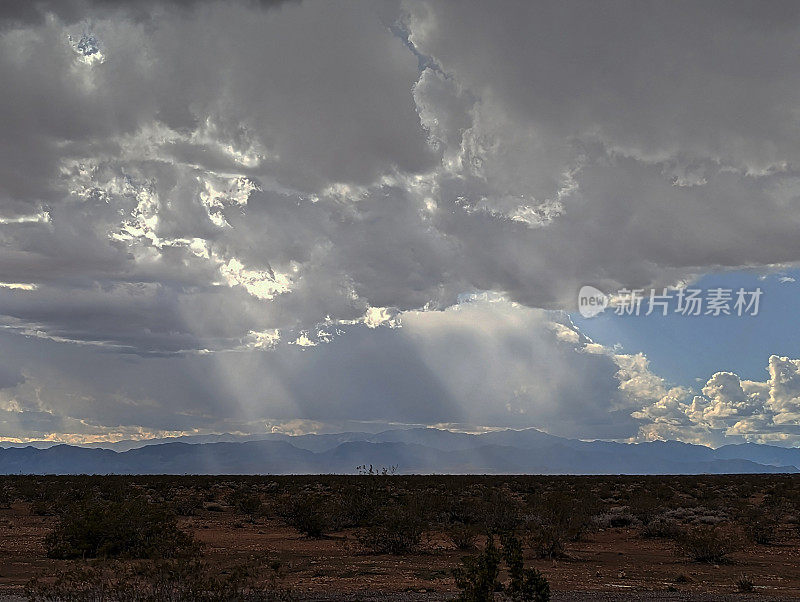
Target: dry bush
744,584
246,502
393,530
463,537
708,544
761,523
614,519
662,527
556,519
309,513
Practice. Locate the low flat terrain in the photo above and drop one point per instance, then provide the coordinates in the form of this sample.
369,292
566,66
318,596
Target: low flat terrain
610,555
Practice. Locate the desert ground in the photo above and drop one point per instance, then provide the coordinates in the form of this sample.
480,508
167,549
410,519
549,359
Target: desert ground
386,537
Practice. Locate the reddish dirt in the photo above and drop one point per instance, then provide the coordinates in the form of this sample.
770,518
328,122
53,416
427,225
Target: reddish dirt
608,564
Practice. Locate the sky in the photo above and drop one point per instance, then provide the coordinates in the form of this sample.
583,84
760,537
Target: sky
248,217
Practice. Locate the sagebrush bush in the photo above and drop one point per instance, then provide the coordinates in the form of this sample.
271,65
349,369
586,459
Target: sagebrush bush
707,544
126,529
662,527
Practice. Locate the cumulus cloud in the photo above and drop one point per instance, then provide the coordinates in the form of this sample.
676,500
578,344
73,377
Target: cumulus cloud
731,408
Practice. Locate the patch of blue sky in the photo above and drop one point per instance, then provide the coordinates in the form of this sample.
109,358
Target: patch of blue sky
687,350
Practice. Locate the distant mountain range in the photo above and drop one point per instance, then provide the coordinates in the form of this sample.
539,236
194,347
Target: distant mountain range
421,450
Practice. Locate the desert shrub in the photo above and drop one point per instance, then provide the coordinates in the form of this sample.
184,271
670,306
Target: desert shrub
6,497
556,520
614,520
744,584
706,544
662,527
644,506
177,580
477,577
761,524
501,512
131,529
393,530
247,502
186,504
526,584
309,514
466,511
357,507
462,536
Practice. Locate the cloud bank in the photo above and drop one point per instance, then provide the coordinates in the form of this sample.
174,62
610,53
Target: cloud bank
215,188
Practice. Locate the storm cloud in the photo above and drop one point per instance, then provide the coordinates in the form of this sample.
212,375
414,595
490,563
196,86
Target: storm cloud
227,215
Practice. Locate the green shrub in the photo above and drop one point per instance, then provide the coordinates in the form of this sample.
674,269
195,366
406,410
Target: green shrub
130,529
6,498
477,578
526,584
501,512
358,506
644,506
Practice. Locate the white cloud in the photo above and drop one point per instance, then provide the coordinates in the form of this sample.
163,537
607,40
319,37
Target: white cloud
730,407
